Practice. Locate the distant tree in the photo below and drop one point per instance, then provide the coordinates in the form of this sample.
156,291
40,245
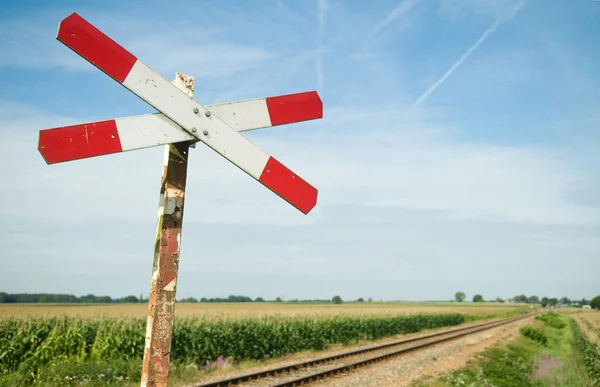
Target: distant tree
130,299
545,301
278,299
595,303
360,300
238,299
478,298
336,300
189,299
565,301
259,299
89,298
533,300
460,296
7,298
498,299
521,298
370,299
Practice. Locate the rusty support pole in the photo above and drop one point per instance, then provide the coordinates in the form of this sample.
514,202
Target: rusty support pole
161,304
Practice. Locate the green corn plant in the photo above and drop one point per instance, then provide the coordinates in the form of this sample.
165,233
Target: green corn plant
29,347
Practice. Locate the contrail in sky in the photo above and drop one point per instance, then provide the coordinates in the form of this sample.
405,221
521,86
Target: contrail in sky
322,6
401,9
468,53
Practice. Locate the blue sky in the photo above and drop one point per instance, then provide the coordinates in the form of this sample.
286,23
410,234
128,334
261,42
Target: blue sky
458,150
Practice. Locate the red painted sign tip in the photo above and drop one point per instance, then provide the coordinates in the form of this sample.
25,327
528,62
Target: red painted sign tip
73,15
81,141
42,149
286,109
93,45
289,186
312,98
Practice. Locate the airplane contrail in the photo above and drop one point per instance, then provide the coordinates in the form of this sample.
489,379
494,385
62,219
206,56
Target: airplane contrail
322,11
465,56
401,9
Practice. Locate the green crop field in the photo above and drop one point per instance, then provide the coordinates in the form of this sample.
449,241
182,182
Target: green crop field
103,344
237,310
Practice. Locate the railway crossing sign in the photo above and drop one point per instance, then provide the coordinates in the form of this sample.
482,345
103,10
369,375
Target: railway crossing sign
180,123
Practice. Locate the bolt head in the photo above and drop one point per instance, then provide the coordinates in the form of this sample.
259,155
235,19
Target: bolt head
207,113
205,132
194,130
196,110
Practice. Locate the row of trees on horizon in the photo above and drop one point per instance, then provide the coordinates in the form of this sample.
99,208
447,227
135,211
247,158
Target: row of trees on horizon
544,301
8,298
16,298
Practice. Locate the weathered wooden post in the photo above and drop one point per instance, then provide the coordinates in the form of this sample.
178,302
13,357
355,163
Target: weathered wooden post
163,288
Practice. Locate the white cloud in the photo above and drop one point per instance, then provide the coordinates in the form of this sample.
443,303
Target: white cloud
386,192
415,166
204,52
32,44
197,56
122,186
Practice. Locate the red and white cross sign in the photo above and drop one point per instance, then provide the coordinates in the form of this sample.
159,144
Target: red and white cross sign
180,118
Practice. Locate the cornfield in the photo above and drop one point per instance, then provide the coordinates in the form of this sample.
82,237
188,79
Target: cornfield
27,347
595,329
589,352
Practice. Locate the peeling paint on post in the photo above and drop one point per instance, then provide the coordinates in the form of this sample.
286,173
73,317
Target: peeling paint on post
161,304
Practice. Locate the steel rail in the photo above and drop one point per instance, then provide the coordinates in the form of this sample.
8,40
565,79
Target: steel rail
349,367
326,359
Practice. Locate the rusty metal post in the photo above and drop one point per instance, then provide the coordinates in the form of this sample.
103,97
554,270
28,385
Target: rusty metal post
161,304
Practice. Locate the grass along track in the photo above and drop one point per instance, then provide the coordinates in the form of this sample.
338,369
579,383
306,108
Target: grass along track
323,367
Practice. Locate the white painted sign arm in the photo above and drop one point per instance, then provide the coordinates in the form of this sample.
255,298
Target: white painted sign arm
100,138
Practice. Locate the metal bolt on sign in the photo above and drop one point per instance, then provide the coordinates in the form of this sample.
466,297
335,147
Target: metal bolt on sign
175,126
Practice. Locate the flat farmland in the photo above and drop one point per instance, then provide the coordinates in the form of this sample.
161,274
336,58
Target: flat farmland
248,310
593,317
589,322
103,343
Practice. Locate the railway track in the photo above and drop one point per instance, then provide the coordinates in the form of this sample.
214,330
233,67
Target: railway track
326,366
